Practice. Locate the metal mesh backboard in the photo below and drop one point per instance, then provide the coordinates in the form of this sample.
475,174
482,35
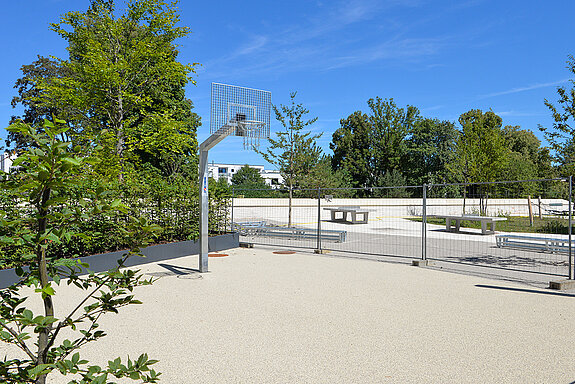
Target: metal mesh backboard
246,111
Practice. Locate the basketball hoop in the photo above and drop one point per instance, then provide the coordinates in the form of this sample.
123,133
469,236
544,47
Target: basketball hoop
251,132
237,111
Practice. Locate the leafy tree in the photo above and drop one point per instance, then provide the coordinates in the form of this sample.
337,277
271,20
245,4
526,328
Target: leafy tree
369,146
481,155
49,168
294,152
430,148
247,175
325,177
247,181
562,135
527,160
124,86
351,148
29,93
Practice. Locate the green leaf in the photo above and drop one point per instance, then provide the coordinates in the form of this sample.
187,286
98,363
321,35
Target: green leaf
72,161
39,370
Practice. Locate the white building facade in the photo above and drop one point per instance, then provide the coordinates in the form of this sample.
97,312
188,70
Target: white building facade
225,171
6,160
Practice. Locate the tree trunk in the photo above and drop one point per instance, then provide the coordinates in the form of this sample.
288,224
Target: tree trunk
43,275
120,153
121,136
464,196
289,203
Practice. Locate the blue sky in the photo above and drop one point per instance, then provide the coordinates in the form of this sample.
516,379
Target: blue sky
444,57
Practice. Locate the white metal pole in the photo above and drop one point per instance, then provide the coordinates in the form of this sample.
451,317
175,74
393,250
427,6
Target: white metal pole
204,209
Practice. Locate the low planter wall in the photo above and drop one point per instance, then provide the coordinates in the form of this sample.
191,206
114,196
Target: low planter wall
105,261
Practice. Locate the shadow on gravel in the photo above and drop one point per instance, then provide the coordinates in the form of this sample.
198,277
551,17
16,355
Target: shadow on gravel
177,270
525,290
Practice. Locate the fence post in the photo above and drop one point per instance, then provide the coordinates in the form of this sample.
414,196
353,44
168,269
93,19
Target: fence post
232,213
424,225
318,250
569,231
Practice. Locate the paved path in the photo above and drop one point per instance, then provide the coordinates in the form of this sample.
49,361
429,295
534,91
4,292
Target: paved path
258,317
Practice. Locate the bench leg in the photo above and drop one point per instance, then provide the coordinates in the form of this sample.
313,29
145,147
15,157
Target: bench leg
354,219
365,216
484,228
457,225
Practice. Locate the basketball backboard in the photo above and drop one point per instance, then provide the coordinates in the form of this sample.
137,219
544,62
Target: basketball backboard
240,111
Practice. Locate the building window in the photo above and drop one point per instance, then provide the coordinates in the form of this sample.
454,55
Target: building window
222,170
275,181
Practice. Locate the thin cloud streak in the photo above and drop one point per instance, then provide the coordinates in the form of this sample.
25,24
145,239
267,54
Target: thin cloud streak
311,44
524,89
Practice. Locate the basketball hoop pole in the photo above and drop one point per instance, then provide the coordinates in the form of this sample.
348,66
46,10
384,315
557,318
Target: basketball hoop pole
235,111
208,144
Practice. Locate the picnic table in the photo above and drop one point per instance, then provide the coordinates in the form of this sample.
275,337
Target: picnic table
485,220
353,211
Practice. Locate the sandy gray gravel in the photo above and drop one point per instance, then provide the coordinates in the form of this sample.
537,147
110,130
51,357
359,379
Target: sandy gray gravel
258,317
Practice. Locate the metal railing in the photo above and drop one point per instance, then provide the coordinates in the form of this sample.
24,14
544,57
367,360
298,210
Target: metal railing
405,222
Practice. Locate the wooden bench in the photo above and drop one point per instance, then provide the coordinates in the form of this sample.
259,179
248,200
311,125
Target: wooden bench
541,244
353,212
485,220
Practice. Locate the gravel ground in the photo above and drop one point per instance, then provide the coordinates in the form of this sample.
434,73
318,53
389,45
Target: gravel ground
259,317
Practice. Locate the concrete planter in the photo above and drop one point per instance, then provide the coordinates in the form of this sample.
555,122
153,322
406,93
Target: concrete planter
106,261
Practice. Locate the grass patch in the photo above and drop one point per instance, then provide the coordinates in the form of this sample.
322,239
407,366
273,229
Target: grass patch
551,225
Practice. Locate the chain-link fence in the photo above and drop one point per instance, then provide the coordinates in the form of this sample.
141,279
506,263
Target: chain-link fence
522,226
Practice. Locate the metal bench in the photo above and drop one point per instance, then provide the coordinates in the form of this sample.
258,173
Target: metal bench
353,211
559,209
293,233
541,244
485,220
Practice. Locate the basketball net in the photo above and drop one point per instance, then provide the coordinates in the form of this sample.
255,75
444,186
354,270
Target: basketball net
251,132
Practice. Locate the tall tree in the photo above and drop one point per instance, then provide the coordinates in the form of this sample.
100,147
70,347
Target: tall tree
125,81
294,151
249,182
561,135
29,95
369,146
481,154
351,145
527,161
430,148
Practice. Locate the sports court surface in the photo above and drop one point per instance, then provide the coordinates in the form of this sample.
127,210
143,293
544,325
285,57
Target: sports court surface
260,317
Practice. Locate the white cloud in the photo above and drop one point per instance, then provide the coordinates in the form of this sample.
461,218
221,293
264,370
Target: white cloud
523,89
317,42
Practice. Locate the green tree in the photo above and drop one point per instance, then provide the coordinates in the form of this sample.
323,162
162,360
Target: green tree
561,136
247,175
125,85
29,94
293,151
247,181
369,146
430,148
49,168
351,148
481,155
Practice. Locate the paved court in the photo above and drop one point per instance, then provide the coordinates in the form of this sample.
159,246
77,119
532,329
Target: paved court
259,317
